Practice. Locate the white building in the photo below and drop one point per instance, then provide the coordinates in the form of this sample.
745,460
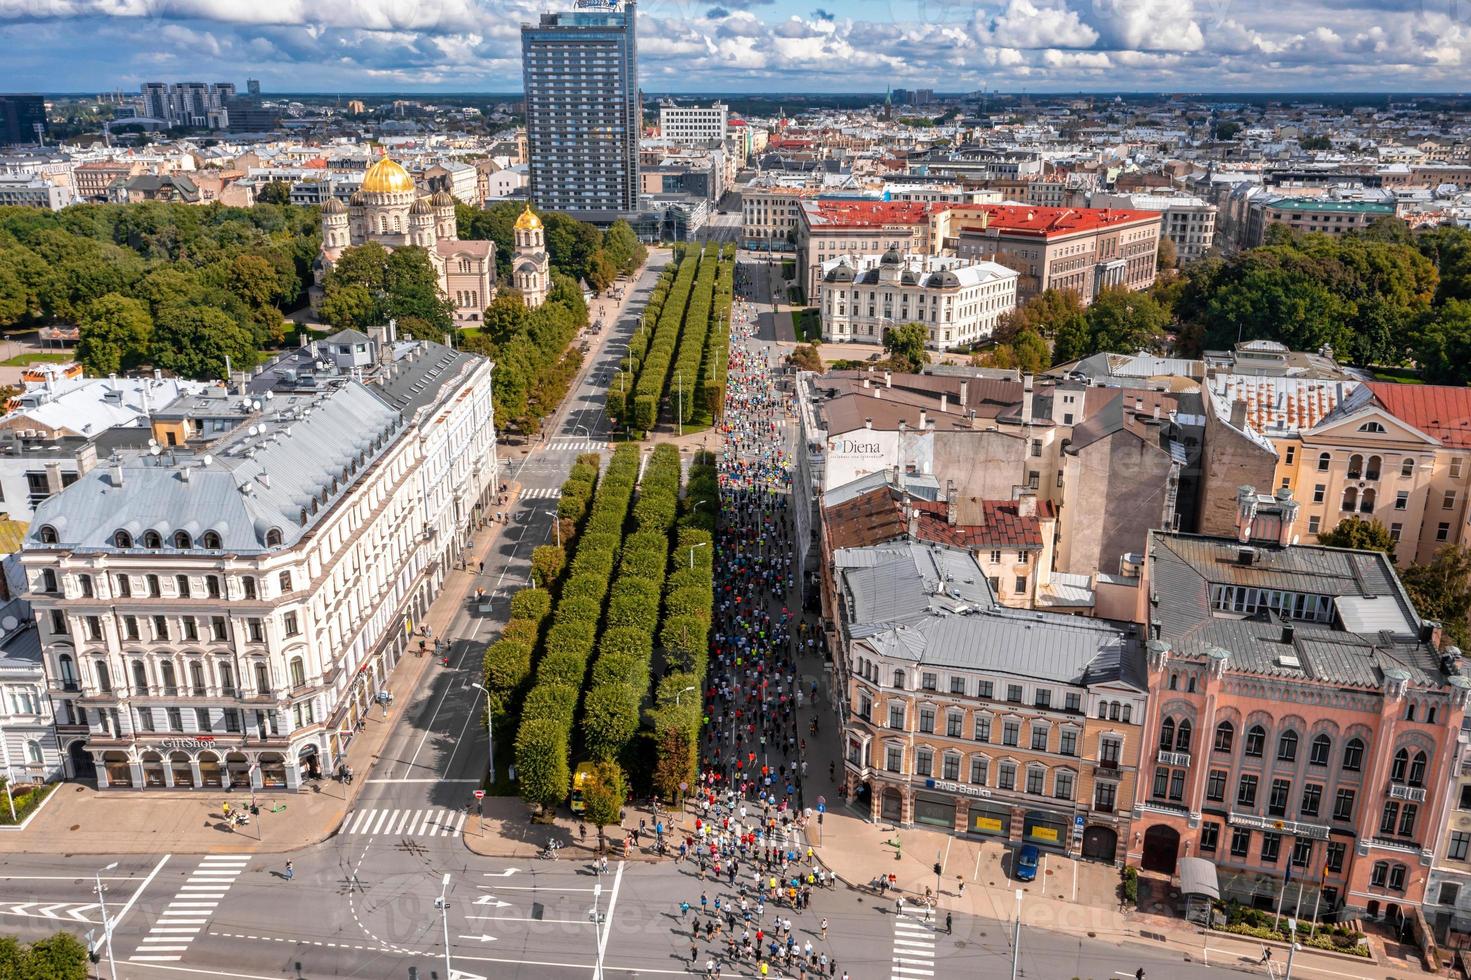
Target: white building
691,124
505,182
28,191
1188,221
29,752
224,610
958,300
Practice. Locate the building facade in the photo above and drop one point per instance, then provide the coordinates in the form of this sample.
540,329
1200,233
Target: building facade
388,210
29,751
691,124
223,612
531,268
1188,222
583,110
20,117
27,191
958,301
1300,718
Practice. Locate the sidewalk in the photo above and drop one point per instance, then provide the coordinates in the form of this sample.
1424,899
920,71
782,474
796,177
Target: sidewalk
82,820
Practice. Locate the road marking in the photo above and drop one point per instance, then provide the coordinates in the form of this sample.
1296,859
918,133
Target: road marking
914,949
607,928
155,959
117,920
427,822
541,493
416,779
77,913
188,911
528,918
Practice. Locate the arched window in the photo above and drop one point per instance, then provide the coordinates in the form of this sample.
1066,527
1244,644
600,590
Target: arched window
1324,460
1256,741
1379,874
140,678
273,537
170,682
1371,427
48,534
122,539
1167,735
1417,770
1225,735
196,678
1407,467
1366,506
1398,767
68,669
1350,498
182,540
1371,470
1353,755
1287,747
1174,682
152,539
227,677
211,541
1182,736
262,678
298,672
1355,466
1113,711
104,676
899,679
1318,754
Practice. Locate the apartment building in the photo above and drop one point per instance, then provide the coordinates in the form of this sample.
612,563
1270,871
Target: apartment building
1399,454
963,715
1082,250
828,228
958,301
1447,904
222,611
693,125
1301,720
93,179
29,751
769,215
29,191
1311,214
1187,221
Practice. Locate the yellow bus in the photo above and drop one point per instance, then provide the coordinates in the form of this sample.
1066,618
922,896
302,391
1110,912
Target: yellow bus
579,778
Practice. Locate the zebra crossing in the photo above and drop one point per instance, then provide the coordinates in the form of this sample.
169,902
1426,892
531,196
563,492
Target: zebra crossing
577,445
541,493
914,949
432,822
193,905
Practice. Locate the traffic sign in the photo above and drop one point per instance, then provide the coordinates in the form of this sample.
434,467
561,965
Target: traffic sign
821,807
480,794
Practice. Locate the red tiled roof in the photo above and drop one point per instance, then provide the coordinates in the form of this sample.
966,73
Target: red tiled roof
1441,411
862,214
1004,527
1023,219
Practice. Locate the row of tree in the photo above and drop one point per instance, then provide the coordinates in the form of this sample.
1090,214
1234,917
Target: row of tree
689,353
174,286
544,739
653,351
713,364
535,359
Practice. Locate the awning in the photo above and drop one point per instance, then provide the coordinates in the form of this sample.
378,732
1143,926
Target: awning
1198,877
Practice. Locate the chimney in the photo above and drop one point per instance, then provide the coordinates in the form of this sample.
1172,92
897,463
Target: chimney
922,418
1138,404
1026,398
1245,512
868,423
1156,411
950,514
878,392
964,391
1287,632
184,474
865,382
899,476
944,403
1238,414
1026,503
117,473
888,379
914,522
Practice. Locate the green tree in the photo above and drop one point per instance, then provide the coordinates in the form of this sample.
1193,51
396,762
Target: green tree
1168,256
541,762
193,342
506,316
1032,355
604,793
58,957
413,289
609,720
275,192
11,957
1441,343
600,271
1441,590
1123,321
906,346
1355,532
806,358
349,305
623,248
115,334
1049,313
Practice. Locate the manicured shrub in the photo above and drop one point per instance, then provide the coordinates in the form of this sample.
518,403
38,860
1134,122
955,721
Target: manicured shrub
522,631
578,610
547,562
541,762
609,719
631,610
629,669
589,587
693,602
626,641
532,604
561,668
547,700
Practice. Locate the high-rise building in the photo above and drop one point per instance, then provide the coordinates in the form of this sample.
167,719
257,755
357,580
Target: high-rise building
583,112
252,86
20,115
194,104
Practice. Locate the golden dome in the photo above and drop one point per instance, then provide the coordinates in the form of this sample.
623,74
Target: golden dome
528,220
387,177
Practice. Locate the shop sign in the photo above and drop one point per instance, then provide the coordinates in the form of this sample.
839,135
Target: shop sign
990,825
1044,833
185,744
962,788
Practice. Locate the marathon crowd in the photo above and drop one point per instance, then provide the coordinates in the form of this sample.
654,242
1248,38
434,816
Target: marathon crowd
749,803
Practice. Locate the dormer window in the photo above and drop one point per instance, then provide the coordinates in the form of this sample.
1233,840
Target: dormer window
152,539
1371,427
182,540
122,539
48,534
211,541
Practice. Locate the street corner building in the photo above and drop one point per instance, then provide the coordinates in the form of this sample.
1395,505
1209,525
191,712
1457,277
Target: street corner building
1302,724
962,714
221,609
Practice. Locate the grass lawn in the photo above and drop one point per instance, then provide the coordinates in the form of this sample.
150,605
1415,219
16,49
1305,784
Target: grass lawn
807,324
1404,376
27,798
39,357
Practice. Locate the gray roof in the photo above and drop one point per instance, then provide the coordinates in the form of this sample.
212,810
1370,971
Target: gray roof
1183,568
283,472
931,605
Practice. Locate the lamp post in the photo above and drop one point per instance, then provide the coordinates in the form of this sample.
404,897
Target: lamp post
597,924
489,732
442,904
677,695
106,925
1291,948
1016,937
700,544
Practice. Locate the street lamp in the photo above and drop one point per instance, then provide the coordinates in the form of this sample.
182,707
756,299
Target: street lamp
442,904
677,694
106,926
700,544
1016,938
597,924
489,733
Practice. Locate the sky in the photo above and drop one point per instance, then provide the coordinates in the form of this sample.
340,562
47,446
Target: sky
749,46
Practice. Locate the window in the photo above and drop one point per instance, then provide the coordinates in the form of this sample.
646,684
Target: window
896,714
1334,860
122,539
979,765
1407,819
1324,460
1448,502
1256,739
1371,427
201,719
986,689
211,541
1062,785
1014,693
1287,747
176,719
1036,778
285,580
893,758
929,682
1039,737
1407,467
1277,801
1224,734
160,627
924,762
1042,697
899,679
298,673
248,585
1210,837
1104,796
1460,846
954,724
951,766
1397,877
1417,767
154,589
1442,531
1072,702
927,720
140,678
1246,791
288,624
957,685
1399,766
262,678
1319,750
1182,735
1271,848
1318,491
1302,852
1312,800
1010,732
256,629
84,582
1343,805
1240,842
1215,785
982,728
1449,892
1108,752
212,586
1006,776
191,629
1353,755
1167,731
124,587
1067,742
1350,496
1389,818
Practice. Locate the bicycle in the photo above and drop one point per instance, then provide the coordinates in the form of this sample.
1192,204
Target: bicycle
549,853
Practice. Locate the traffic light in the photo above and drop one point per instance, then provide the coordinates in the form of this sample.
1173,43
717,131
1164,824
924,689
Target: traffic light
937,867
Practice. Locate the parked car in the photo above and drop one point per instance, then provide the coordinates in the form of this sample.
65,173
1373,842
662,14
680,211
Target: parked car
1024,864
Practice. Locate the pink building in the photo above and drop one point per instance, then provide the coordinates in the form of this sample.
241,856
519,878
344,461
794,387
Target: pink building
1300,715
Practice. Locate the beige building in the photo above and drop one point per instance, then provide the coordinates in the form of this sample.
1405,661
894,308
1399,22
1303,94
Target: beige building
831,228
769,216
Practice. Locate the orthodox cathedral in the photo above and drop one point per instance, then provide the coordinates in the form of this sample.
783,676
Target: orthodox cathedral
388,210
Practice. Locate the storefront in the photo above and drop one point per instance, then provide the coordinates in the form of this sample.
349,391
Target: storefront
989,819
1046,829
153,770
118,768
937,811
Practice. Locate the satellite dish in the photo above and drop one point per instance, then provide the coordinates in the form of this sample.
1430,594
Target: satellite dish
270,395
208,459
255,404
9,623
155,449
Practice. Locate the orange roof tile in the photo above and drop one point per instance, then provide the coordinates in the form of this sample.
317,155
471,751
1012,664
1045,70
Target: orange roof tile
1441,411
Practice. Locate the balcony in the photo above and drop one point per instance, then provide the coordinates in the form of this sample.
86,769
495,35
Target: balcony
1108,769
1181,759
1399,791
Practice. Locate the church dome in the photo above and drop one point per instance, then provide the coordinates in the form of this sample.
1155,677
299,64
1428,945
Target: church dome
528,220
442,199
421,206
334,206
387,177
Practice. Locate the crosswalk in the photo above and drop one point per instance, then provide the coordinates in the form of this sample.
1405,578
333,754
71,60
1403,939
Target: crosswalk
189,910
914,949
541,493
431,822
577,445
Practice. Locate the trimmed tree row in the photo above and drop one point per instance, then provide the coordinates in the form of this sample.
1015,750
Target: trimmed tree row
653,375
621,388
619,681
686,374
717,340
544,739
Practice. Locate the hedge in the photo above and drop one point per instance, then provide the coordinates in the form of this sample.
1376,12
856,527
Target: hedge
547,563
620,667
609,719
577,609
532,604
654,368
541,761
545,700
507,665
585,586
626,641
561,668
684,389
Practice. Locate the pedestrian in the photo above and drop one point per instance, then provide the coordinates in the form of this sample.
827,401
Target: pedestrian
290,871
948,929
694,952
824,929
684,910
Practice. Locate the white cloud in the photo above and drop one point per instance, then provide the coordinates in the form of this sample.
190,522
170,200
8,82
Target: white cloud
1025,25
1148,25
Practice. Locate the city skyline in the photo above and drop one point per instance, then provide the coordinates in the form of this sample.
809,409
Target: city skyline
755,46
